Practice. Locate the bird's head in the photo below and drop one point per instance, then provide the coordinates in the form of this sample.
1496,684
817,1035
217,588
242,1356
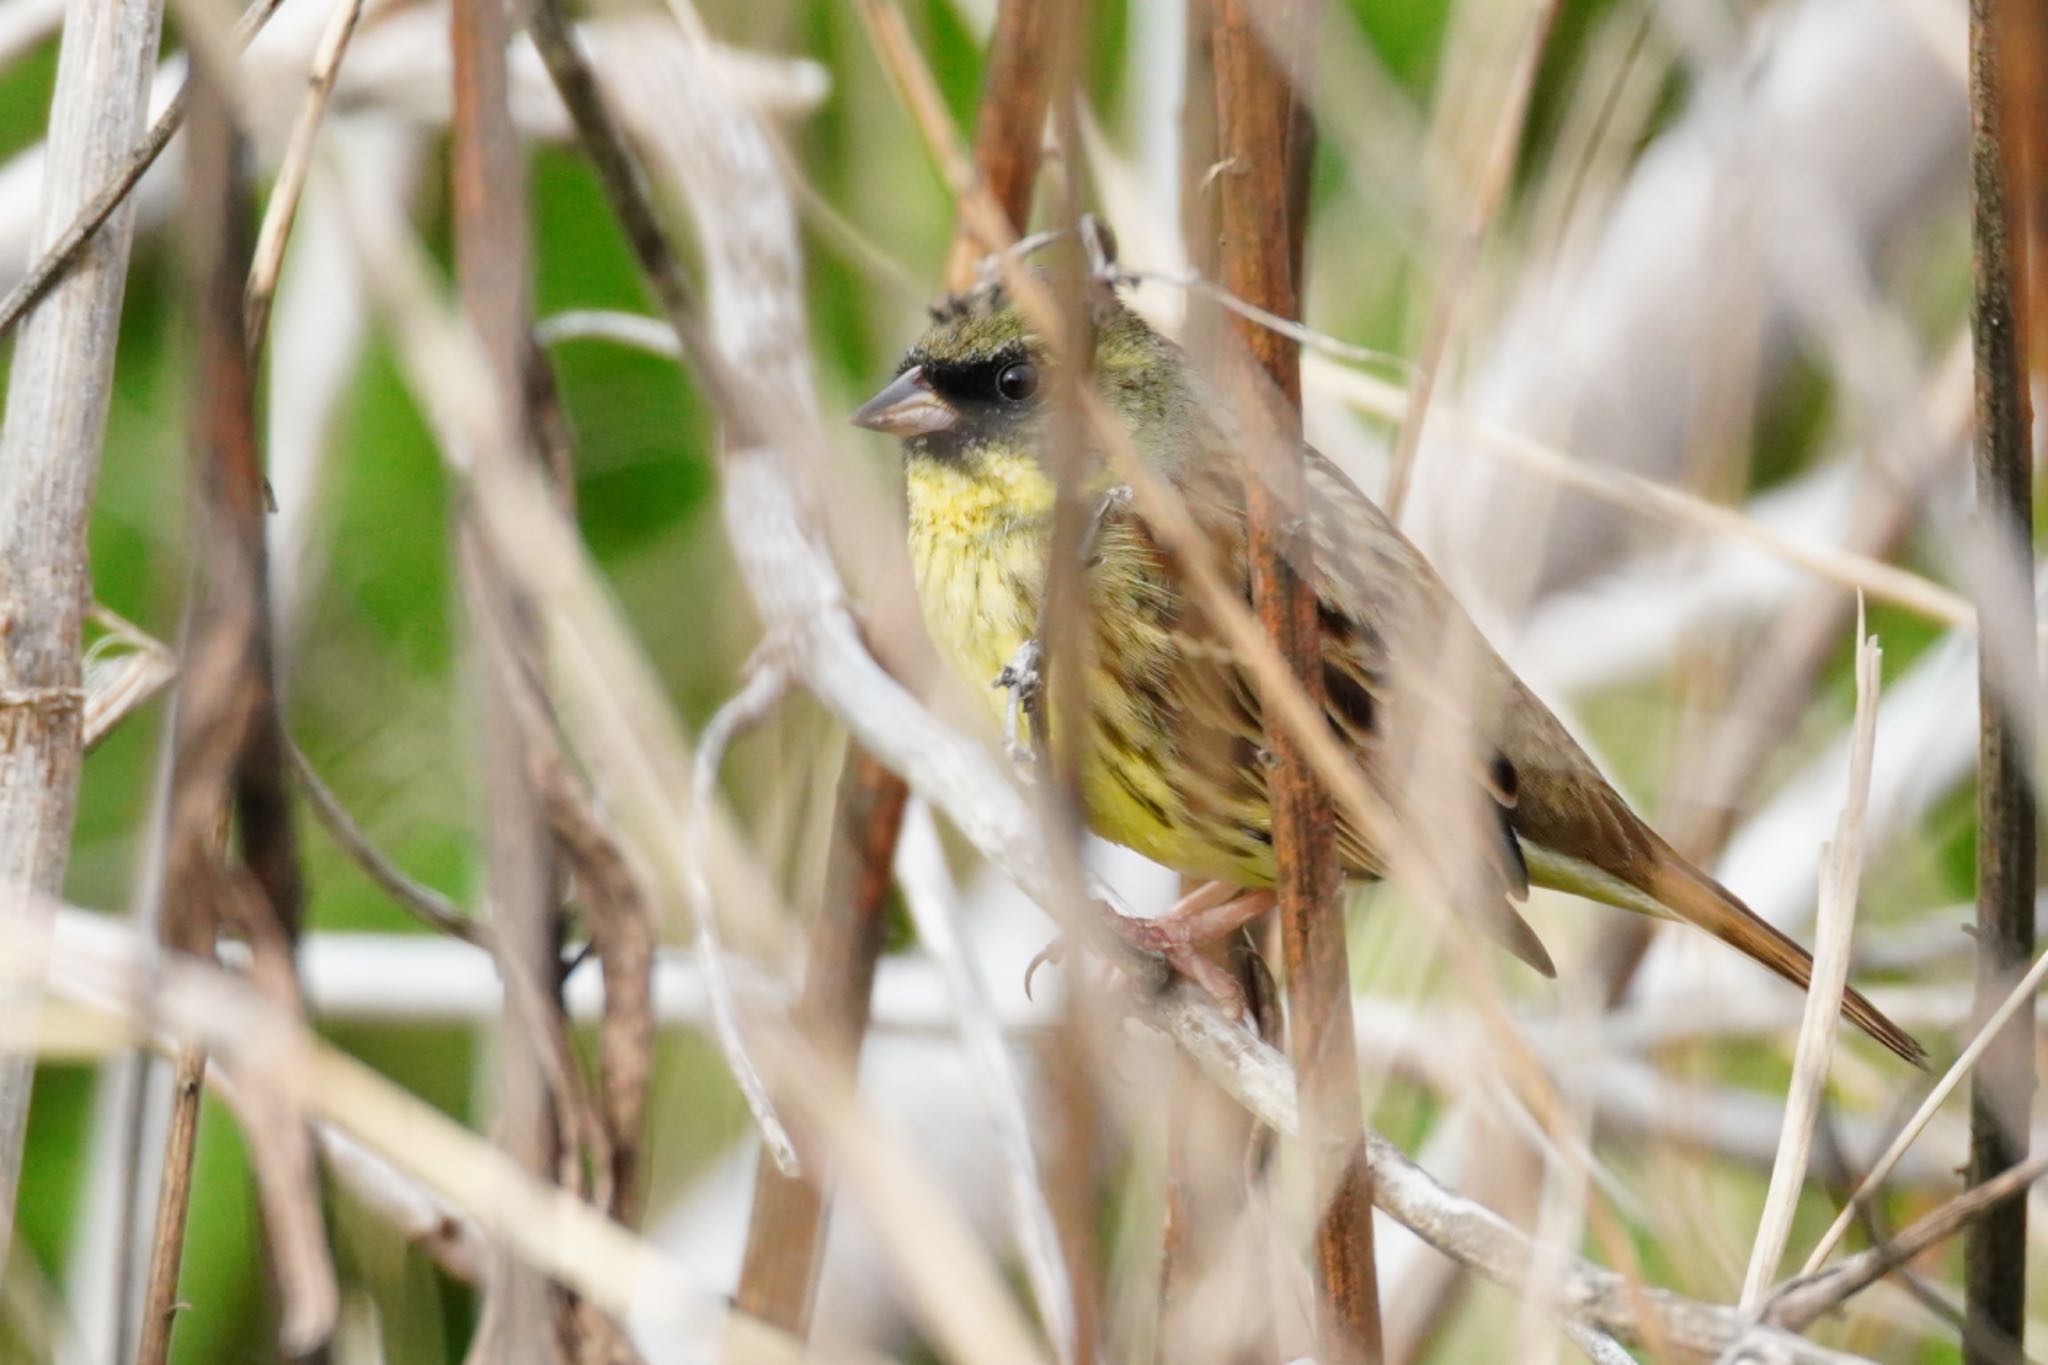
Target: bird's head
976,387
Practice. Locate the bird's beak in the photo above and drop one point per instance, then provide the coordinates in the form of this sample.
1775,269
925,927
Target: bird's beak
908,407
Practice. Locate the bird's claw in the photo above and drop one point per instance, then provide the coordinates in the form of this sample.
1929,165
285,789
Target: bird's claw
1052,954
1020,678
1173,943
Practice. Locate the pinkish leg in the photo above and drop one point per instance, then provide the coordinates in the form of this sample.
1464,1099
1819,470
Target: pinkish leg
1210,912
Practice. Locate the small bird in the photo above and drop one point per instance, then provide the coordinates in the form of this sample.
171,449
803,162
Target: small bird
1174,761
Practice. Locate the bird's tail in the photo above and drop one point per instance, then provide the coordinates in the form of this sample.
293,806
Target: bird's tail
1689,894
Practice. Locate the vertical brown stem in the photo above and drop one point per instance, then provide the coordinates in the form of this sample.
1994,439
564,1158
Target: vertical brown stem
778,1277
174,1197
227,746
2002,1089
785,1236
1264,141
524,1318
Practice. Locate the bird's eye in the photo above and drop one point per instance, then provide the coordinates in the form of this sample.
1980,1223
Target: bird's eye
1018,382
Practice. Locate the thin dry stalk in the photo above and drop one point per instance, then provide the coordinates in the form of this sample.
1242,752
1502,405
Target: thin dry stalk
1841,872
933,905
123,670
764,688
1264,139
1456,278
523,1319
1806,1302
1671,506
422,902
180,1000
58,388
1996,1025
297,164
2002,1092
174,1196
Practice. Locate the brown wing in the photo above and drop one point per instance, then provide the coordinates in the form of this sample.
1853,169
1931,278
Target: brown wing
1222,730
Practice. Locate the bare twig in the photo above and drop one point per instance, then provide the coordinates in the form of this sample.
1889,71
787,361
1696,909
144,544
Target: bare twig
227,746
2019,997
1841,872
764,688
167,1241
1806,1301
422,902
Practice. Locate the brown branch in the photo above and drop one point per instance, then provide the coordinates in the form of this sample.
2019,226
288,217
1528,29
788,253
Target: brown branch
785,1233
1264,141
227,743
2002,1091
174,1197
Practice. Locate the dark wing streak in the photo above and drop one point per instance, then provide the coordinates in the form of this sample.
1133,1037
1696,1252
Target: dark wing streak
1223,733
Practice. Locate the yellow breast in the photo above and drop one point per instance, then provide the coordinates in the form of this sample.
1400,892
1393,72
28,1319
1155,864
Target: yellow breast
979,535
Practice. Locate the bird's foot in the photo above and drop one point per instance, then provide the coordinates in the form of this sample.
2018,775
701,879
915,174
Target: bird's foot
1183,937
1020,678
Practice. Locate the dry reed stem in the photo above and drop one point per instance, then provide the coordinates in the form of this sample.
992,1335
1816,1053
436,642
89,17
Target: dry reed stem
227,749
98,964
1841,872
2002,1090
178,1000
540,1111
1263,138
58,388
1880,581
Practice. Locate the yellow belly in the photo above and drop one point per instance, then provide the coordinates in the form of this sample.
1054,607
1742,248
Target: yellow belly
978,548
